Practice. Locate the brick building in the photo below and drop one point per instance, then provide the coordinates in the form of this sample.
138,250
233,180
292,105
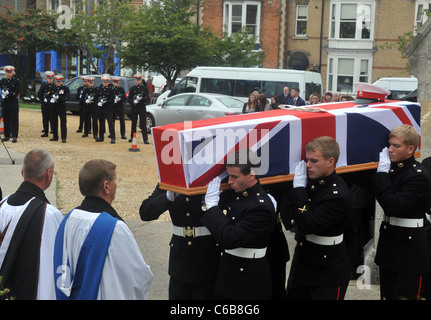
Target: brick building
341,39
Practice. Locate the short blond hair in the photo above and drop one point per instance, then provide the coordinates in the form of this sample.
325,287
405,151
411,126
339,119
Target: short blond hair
327,145
408,133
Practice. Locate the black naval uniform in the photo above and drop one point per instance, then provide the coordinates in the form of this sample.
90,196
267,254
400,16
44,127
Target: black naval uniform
243,224
403,254
105,96
79,95
194,254
119,110
139,109
43,94
320,267
90,110
10,108
58,110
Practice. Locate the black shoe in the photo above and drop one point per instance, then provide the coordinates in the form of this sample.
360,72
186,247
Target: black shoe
5,139
13,140
146,142
79,130
112,141
123,137
53,139
44,135
85,135
99,140
130,140
63,140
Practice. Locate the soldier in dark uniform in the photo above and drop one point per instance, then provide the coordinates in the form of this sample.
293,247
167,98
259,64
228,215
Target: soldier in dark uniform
402,187
89,98
194,254
10,107
105,105
321,208
138,97
242,221
60,94
79,94
43,94
119,98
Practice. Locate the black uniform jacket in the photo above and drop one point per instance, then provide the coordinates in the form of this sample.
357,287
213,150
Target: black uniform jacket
87,93
45,92
12,85
105,94
139,90
120,93
63,96
191,259
404,192
323,208
242,220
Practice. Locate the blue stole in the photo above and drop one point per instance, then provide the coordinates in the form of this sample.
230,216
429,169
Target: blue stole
90,261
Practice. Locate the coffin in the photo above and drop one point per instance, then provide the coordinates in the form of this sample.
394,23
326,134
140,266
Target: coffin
190,154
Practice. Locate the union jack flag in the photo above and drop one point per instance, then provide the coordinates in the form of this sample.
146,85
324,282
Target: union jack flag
189,155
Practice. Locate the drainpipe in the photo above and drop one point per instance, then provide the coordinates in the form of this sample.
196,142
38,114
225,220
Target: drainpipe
321,36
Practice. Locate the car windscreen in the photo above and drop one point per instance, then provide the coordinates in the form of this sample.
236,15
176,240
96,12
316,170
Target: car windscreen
231,102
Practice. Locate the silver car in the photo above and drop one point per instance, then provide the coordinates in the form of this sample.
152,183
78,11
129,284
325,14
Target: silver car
192,106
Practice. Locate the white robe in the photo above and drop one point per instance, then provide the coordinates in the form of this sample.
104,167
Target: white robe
125,274
53,218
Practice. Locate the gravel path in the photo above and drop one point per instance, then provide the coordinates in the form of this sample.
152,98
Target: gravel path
136,171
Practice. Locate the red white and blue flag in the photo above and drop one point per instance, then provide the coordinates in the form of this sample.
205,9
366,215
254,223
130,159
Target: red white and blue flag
189,155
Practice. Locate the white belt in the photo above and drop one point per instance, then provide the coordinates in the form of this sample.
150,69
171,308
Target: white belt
405,222
247,253
191,231
323,240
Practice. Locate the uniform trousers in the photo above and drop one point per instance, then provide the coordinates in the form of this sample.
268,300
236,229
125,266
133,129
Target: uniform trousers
179,290
81,116
102,130
316,293
10,119
120,114
400,286
87,121
46,117
58,112
142,123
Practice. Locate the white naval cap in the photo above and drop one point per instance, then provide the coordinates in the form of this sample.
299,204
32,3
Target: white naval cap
369,91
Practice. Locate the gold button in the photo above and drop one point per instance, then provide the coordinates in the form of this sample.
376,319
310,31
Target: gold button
258,194
384,227
187,199
324,256
241,269
221,254
245,193
225,212
410,237
189,243
400,165
188,214
312,187
261,200
237,198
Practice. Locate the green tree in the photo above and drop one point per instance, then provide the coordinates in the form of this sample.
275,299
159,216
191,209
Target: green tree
98,34
167,41
24,34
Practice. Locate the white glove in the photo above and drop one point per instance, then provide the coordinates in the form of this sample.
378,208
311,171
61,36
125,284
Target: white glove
45,100
300,177
170,195
88,101
117,98
135,101
384,161
4,93
212,196
138,98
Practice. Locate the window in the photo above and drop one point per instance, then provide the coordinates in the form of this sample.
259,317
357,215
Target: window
199,101
344,71
301,20
351,20
237,15
422,10
187,84
54,4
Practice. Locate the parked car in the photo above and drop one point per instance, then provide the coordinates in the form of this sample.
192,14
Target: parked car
73,104
192,106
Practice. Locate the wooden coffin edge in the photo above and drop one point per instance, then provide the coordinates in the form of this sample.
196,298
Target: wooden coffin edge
274,179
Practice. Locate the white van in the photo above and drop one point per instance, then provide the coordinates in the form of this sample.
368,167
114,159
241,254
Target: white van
399,87
240,82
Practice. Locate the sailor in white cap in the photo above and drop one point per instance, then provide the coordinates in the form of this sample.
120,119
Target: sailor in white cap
89,98
10,89
58,100
105,105
119,98
81,103
369,93
138,97
43,94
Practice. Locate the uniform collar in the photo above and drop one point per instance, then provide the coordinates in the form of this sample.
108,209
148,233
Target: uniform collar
254,190
400,165
315,184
